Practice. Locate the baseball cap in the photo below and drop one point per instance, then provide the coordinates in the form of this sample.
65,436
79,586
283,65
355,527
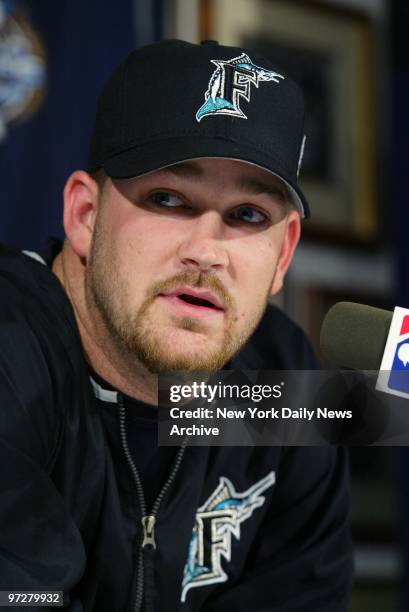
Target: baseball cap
175,101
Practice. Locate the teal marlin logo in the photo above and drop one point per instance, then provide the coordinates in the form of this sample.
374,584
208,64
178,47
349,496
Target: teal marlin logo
217,520
229,83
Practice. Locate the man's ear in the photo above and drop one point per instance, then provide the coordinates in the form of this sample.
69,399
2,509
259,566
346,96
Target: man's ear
290,240
81,198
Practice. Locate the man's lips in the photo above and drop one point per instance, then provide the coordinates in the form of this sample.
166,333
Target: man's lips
193,301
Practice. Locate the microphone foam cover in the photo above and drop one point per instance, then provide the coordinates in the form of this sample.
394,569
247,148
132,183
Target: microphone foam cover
354,335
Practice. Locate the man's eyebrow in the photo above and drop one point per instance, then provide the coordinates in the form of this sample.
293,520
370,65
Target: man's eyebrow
258,187
273,188
185,170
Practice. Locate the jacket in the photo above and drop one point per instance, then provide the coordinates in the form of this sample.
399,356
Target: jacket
262,529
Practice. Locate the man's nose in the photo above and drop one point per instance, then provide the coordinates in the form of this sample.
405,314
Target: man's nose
204,247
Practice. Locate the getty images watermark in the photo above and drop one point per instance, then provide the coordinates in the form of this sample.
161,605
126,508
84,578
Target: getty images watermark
264,408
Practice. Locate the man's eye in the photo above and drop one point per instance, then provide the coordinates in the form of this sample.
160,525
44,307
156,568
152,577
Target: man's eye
167,200
248,214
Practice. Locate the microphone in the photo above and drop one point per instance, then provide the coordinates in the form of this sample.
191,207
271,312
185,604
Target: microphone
354,335
369,341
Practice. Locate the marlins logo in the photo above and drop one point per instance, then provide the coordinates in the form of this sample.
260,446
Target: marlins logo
230,82
217,520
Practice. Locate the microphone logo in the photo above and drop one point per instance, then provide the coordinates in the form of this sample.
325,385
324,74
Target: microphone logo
394,375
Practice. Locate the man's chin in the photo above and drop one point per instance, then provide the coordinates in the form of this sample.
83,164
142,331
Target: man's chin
184,350
157,360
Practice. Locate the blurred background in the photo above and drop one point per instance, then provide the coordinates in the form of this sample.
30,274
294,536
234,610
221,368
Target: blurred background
351,57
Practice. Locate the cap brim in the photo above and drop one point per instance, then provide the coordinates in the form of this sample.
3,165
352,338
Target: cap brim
157,155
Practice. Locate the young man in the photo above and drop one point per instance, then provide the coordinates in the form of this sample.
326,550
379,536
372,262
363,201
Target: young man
185,224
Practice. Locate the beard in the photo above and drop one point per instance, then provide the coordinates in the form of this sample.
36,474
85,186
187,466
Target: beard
136,335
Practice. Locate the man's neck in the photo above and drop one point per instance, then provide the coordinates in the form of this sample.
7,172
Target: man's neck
101,353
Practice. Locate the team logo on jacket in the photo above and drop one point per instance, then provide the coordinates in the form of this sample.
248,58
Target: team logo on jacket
217,520
394,374
230,82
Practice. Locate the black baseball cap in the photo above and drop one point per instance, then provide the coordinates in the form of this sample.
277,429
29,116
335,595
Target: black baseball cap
175,101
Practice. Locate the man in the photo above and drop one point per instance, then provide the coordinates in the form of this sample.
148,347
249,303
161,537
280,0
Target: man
184,225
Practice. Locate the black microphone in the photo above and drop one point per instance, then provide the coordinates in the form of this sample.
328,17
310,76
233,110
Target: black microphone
354,335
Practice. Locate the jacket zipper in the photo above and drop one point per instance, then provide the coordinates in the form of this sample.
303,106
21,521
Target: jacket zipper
148,521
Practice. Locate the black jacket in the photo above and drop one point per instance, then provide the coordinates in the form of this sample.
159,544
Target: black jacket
261,529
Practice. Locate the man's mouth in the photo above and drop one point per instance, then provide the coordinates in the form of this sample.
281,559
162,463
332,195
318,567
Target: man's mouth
194,302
